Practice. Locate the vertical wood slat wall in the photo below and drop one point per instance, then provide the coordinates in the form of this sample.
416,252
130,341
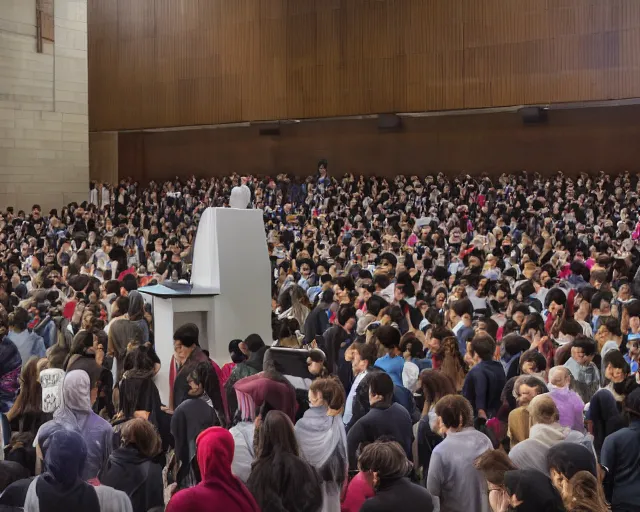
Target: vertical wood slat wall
162,63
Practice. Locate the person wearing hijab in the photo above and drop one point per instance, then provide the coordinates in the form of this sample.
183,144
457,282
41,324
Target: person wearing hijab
131,467
532,491
61,486
219,490
75,414
268,386
322,439
185,343
202,409
280,480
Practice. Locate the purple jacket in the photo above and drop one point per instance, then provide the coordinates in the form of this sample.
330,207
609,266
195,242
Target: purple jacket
570,406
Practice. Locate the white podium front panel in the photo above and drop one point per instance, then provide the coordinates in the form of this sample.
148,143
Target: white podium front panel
230,296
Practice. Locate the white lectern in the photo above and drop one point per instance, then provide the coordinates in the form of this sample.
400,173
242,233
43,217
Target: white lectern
230,292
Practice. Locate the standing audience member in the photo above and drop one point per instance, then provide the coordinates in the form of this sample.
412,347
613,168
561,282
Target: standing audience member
525,389
386,464
132,469
452,478
219,490
280,480
545,432
570,405
61,486
493,465
323,441
485,381
185,344
531,490
385,418
620,456
75,414
585,373
28,343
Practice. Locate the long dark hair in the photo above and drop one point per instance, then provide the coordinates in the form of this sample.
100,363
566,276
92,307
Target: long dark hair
203,374
276,434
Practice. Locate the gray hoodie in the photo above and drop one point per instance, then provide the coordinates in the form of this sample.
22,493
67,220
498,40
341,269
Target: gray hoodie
532,453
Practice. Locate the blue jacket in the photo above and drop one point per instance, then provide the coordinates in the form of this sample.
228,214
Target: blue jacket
483,387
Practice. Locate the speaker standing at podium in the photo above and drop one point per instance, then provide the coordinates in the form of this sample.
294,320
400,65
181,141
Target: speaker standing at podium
240,196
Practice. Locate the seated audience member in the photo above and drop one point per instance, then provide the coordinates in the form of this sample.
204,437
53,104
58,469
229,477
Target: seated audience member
545,432
620,455
219,490
484,382
525,389
570,405
322,438
384,419
393,361
584,372
280,479
387,466
532,490
131,468
452,479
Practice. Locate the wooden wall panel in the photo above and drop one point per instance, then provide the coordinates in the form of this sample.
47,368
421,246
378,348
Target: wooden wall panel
579,140
164,63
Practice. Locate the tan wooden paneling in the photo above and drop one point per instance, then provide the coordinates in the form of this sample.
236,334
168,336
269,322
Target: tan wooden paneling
162,63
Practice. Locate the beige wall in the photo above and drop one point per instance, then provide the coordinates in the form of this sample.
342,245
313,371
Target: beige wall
44,139
103,157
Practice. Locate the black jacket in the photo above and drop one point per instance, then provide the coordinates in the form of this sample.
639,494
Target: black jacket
316,323
391,421
128,471
399,494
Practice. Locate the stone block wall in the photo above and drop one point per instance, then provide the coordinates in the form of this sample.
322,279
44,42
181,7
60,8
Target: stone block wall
44,129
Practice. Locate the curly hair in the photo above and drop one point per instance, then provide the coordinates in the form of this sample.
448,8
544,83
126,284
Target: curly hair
453,364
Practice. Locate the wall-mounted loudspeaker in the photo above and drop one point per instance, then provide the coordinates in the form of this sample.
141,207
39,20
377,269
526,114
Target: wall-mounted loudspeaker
389,123
269,129
534,115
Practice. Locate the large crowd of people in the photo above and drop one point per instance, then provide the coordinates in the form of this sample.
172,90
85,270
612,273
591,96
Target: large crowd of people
452,344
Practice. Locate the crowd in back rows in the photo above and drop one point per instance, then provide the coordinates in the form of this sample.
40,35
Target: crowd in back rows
454,345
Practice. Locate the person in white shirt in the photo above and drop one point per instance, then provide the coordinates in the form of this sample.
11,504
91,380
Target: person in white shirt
364,356
240,196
